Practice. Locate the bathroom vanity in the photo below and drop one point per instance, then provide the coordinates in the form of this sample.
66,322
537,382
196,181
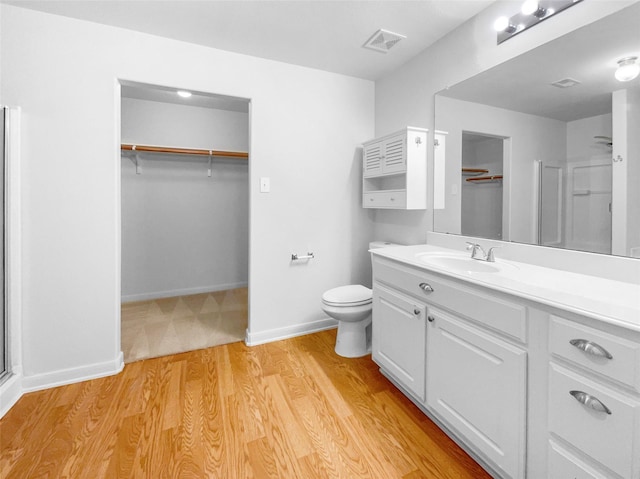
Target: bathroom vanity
534,371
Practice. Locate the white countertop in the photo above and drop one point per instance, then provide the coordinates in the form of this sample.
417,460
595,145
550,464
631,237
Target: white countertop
614,302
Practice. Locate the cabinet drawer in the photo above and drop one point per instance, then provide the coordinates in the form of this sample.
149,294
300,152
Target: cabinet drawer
564,464
610,439
385,199
489,310
612,356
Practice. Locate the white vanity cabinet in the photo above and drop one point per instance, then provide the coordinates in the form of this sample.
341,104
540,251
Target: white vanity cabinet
394,170
521,375
594,402
466,347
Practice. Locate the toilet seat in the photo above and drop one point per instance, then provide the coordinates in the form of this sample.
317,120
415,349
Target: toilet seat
347,296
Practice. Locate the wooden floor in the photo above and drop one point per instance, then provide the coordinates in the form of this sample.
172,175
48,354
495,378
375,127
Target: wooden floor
290,409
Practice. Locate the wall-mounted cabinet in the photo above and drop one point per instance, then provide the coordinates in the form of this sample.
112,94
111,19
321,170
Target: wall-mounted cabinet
394,171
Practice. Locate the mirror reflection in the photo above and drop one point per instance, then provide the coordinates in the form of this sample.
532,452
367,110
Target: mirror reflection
545,148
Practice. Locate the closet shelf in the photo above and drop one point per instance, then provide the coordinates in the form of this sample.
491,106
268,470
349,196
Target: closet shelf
185,151
474,171
209,154
478,179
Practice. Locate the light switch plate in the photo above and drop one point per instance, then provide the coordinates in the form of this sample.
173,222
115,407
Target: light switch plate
265,184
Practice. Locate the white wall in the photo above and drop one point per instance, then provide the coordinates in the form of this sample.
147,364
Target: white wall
529,138
182,231
581,144
406,96
305,127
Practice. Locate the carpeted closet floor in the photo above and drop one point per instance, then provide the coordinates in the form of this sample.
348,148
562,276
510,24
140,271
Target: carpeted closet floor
183,323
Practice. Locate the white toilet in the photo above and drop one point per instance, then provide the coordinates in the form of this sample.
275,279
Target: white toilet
351,307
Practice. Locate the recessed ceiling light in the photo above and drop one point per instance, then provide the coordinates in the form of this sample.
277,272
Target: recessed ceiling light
184,93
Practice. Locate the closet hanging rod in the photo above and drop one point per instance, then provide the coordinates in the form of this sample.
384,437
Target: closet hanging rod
485,178
184,151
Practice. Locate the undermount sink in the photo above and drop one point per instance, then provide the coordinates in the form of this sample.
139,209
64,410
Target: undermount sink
459,263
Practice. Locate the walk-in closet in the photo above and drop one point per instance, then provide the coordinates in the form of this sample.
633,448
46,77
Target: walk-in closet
185,220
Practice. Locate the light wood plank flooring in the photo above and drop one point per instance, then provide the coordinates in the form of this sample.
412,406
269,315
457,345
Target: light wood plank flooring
166,326
289,409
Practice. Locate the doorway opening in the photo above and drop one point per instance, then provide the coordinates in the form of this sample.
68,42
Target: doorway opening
184,220
482,192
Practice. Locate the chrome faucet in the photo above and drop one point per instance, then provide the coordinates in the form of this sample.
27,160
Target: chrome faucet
477,252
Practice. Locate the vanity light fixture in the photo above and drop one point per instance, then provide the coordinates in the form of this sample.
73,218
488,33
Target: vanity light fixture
531,13
628,69
184,93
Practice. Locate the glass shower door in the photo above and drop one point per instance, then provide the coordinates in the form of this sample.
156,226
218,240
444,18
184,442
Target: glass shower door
3,316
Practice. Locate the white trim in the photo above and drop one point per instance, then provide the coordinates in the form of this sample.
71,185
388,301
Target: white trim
181,292
253,339
10,392
11,389
72,375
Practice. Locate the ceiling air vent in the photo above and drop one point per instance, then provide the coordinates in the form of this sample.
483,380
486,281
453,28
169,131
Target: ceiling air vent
565,83
383,40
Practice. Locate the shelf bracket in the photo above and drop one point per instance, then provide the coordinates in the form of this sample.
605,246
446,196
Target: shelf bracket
210,157
135,159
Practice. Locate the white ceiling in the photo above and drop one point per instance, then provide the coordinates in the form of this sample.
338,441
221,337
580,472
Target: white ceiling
326,35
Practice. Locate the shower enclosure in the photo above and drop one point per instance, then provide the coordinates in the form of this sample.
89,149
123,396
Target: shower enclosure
3,316
575,204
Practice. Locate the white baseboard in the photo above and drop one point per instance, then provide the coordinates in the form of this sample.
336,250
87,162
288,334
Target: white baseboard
72,375
129,298
10,392
253,339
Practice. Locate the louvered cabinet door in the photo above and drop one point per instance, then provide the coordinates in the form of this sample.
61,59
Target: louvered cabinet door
372,159
394,158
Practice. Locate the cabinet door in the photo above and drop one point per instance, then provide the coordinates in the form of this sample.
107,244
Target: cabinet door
372,159
476,383
399,338
395,155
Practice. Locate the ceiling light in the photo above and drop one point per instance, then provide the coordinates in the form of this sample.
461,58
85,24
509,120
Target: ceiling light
184,94
628,69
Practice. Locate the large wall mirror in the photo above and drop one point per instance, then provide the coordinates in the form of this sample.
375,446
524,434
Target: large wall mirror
545,148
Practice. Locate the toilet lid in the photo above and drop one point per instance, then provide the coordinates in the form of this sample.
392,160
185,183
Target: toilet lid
353,294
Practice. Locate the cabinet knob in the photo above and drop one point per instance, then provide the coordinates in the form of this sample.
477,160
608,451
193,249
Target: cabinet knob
431,319
426,287
416,311
590,401
590,347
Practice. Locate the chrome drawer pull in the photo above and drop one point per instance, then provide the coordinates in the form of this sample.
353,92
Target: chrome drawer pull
590,401
426,287
591,348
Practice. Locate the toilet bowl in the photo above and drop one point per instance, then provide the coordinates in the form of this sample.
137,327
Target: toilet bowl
351,306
